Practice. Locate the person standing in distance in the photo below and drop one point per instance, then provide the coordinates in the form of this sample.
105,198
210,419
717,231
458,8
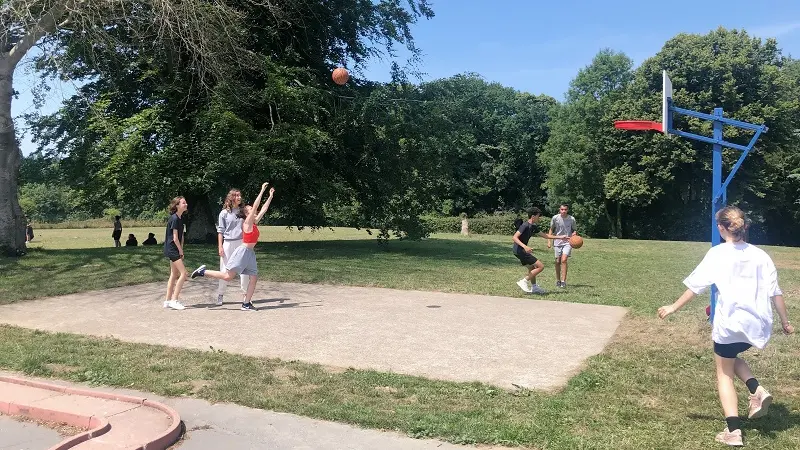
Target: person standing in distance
562,224
229,238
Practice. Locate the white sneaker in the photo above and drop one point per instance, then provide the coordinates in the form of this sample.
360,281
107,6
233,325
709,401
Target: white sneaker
219,300
536,289
166,303
174,304
524,285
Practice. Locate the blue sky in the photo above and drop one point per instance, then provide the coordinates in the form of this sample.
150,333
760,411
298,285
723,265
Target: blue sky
539,49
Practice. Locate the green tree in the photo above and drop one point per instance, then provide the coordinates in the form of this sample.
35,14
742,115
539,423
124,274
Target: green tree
750,79
148,134
202,36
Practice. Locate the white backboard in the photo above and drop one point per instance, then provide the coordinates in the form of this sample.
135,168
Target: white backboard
666,100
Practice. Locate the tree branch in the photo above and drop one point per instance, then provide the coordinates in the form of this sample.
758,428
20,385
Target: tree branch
46,24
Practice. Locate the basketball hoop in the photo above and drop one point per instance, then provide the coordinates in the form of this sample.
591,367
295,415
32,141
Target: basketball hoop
638,125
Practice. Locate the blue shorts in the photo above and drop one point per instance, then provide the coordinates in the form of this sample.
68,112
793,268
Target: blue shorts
731,350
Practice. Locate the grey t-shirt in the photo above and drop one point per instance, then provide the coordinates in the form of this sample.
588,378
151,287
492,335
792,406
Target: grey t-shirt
229,225
562,226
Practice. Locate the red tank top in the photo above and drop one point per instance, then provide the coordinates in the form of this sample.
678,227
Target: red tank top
251,237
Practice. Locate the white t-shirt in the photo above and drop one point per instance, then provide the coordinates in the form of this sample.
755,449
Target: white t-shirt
746,279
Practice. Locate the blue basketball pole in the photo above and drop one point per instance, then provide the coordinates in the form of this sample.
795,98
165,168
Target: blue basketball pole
716,200
719,194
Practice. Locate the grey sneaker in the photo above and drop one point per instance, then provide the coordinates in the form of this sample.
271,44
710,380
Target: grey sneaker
219,300
563,284
536,289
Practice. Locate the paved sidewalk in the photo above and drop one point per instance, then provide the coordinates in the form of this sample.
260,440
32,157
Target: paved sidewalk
16,435
227,426
503,341
108,421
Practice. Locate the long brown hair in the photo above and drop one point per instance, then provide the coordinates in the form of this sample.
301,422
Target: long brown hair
173,205
229,199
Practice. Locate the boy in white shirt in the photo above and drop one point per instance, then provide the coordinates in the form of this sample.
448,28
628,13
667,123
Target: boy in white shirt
747,280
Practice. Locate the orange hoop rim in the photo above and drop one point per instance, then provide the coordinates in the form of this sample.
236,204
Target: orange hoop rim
638,125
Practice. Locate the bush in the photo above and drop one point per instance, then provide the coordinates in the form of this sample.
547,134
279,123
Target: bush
110,213
48,202
499,224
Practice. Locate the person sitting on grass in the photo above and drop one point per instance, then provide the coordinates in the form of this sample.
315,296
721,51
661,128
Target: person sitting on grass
243,259
131,242
151,239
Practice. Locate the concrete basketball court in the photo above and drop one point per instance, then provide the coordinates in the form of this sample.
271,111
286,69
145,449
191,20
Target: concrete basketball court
504,341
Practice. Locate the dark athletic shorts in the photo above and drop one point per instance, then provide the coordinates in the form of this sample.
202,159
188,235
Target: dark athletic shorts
526,259
731,350
171,252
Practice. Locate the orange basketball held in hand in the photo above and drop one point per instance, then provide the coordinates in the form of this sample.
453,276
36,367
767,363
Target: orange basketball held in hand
340,76
575,241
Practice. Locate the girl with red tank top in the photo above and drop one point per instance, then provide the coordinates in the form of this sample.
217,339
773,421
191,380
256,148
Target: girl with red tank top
243,259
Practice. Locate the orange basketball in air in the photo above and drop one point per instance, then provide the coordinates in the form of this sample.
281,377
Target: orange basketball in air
340,76
575,241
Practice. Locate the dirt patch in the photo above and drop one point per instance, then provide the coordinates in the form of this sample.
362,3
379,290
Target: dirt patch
790,265
57,369
62,429
198,385
687,329
387,389
284,373
334,369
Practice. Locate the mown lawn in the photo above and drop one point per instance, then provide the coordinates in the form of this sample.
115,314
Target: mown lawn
653,386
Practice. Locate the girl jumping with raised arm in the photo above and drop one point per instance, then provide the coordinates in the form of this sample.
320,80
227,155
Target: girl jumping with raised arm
243,260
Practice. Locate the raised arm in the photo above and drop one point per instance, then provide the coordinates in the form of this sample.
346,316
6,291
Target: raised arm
252,214
266,205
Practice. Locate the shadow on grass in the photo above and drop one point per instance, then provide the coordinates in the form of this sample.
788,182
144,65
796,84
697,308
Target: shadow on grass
46,272
473,252
779,418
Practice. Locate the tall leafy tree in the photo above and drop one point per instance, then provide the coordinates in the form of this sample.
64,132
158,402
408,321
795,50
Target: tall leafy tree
148,133
199,34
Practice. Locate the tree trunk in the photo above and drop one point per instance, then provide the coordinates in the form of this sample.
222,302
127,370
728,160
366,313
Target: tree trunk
619,220
201,220
12,222
613,222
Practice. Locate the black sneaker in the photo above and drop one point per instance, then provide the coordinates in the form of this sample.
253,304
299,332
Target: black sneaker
563,284
248,307
199,272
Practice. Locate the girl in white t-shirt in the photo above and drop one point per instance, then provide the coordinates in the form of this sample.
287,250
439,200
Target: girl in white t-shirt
747,281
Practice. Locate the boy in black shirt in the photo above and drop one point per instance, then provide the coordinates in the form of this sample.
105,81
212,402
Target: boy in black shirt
523,252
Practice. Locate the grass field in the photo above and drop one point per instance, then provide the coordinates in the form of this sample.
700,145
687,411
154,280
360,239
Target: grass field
653,386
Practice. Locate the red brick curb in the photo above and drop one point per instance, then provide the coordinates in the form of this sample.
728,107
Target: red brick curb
95,425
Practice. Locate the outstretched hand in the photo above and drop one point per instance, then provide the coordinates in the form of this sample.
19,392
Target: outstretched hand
264,187
271,191
666,310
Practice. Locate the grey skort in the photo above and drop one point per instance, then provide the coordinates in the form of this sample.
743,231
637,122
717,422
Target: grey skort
243,261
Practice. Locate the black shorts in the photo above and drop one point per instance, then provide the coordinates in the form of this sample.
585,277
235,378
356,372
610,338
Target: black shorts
731,350
172,253
526,259
116,234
